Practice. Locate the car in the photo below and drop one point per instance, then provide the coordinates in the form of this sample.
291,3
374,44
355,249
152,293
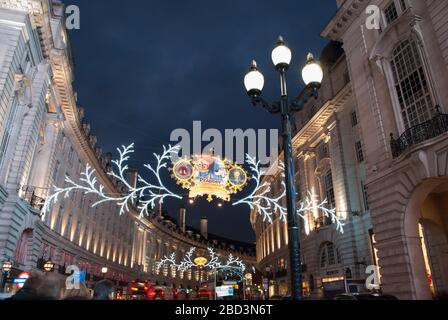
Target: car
364,296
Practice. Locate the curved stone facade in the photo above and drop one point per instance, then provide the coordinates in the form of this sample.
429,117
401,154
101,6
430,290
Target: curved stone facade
45,138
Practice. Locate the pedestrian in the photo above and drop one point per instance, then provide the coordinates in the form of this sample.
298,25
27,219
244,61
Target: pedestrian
77,294
50,287
104,290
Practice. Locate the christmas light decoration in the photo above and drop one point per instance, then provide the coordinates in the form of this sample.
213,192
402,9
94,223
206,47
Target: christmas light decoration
209,175
259,198
266,206
211,263
145,196
311,205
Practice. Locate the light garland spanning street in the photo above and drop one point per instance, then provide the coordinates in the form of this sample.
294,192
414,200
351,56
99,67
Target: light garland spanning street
211,263
147,194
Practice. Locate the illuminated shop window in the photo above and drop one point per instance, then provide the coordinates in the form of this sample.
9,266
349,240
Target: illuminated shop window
429,274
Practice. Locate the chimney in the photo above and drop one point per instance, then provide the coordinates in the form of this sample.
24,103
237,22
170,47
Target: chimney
160,209
181,218
132,176
204,227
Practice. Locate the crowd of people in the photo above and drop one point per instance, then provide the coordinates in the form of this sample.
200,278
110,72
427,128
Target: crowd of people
50,287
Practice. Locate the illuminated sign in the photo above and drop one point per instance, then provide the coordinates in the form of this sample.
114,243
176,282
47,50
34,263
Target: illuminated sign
200,261
209,175
21,279
224,291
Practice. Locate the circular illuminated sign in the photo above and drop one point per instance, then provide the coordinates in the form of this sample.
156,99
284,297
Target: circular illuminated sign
183,170
237,177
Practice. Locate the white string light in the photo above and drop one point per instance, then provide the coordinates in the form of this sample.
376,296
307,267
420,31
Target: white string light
147,193
267,206
212,263
259,199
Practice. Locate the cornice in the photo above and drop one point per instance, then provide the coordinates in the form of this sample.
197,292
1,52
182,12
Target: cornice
345,16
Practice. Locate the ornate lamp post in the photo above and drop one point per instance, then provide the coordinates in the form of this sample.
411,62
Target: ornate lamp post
6,267
312,75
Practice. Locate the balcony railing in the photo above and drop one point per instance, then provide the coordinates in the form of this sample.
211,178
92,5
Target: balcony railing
34,201
419,133
321,222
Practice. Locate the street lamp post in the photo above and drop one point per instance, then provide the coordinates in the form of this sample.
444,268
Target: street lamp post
6,267
254,81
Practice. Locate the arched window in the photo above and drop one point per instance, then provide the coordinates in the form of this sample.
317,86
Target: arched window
23,246
411,84
329,255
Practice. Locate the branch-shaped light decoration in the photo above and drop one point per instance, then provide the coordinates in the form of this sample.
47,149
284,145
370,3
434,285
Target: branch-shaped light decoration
267,206
259,198
212,263
309,205
147,195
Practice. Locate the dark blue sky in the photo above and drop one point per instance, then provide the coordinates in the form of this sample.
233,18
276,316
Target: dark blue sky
146,67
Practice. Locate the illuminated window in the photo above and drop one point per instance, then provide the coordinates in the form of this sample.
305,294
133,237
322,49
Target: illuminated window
429,273
411,84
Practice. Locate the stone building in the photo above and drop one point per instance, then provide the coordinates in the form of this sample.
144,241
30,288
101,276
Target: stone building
329,164
43,139
399,79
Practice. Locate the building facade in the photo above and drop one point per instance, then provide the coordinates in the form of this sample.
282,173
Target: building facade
399,79
44,138
329,164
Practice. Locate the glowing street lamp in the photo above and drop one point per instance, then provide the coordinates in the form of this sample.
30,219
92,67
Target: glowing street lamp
312,75
104,271
254,80
6,267
49,266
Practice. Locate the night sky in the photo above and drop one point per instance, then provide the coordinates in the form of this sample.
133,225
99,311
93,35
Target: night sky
145,68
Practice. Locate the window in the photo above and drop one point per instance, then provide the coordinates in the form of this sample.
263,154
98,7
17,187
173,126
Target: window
8,130
391,13
59,219
56,170
403,5
359,153
330,252
411,84
354,119
323,151
70,155
366,199
329,255
69,225
323,258
329,190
